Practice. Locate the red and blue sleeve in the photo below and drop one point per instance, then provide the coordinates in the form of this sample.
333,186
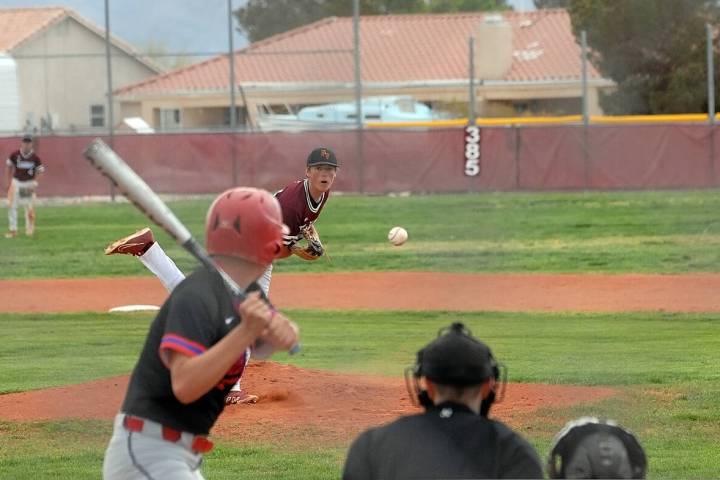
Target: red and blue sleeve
190,326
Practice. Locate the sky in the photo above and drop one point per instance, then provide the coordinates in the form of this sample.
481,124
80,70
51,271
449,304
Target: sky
198,26
180,25
522,5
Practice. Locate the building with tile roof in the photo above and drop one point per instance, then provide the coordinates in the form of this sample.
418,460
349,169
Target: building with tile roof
55,70
525,63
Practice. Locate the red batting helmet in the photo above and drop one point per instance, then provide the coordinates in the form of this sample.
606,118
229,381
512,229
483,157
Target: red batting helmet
247,223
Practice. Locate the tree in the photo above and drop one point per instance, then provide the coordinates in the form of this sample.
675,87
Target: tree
260,19
540,4
445,6
158,51
653,49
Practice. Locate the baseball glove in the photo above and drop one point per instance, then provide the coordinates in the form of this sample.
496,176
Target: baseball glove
314,248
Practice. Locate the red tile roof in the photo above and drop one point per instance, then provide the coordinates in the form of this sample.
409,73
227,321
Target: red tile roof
394,48
17,25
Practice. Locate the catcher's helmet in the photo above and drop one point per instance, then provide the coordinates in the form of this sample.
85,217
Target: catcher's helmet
322,156
592,448
247,223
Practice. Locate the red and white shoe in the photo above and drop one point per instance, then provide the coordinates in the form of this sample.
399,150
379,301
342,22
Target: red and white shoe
135,244
239,397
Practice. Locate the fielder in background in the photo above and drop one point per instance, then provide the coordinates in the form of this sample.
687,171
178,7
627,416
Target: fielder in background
23,169
453,438
198,345
301,202
593,448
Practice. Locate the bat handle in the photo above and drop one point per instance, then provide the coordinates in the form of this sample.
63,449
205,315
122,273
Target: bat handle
263,349
236,301
236,293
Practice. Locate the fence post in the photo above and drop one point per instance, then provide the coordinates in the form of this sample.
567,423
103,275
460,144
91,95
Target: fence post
108,66
473,149
358,94
711,95
585,115
233,104
471,82
518,139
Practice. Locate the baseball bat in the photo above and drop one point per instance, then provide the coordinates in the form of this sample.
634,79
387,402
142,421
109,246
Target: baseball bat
109,163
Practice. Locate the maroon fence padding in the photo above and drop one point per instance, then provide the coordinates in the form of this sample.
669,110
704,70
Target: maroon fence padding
551,158
657,156
566,157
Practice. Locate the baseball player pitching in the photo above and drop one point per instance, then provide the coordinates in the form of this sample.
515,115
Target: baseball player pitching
301,202
23,170
197,346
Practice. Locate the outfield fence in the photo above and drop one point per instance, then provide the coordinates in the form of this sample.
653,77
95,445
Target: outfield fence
510,158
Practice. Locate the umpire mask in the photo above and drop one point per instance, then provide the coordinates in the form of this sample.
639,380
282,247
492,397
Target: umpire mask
454,358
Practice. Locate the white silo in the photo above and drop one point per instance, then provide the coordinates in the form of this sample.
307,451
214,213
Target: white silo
9,95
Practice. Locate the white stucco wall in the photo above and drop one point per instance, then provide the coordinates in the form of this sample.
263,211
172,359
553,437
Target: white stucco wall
65,88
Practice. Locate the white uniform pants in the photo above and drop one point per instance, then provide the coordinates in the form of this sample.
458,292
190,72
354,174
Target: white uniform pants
157,261
22,193
133,455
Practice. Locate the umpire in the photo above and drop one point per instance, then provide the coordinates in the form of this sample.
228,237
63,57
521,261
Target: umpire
453,438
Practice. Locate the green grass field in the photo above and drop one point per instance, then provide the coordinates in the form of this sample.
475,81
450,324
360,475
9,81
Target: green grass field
667,395
663,365
668,232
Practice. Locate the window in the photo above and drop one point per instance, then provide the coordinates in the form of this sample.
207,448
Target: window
97,115
239,116
405,105
170,118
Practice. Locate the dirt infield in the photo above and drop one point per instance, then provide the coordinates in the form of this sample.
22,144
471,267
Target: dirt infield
328,406
335,406
400,291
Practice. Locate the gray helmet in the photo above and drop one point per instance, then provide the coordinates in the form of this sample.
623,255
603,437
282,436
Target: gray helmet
592,448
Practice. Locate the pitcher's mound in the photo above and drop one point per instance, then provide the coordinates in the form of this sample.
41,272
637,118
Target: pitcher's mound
293,402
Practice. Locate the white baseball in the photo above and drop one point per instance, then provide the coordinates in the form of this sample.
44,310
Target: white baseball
397,236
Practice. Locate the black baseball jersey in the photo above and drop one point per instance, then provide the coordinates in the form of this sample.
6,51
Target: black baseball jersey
447,441
299,209
197,315
26,166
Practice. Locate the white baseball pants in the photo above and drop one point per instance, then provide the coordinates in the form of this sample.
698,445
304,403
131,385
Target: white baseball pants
132,455
22,193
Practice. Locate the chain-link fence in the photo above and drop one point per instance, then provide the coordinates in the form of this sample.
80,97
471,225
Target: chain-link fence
341,82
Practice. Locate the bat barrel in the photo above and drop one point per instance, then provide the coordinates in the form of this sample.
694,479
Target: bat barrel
109,163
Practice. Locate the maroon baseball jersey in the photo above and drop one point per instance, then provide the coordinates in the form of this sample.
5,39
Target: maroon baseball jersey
299,209
26,166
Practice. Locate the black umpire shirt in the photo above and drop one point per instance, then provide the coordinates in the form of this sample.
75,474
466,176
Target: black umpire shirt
197,315
447,441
